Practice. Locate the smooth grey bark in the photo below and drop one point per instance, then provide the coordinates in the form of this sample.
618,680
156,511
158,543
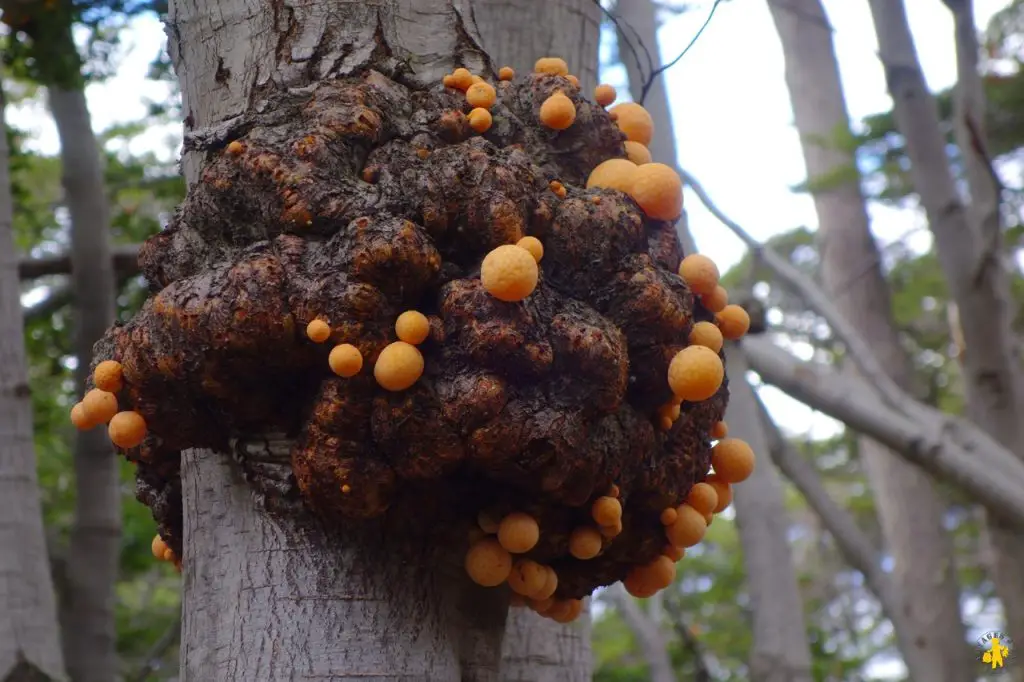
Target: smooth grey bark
538,649
29,634
969,253
780,649
647,631
909,506
87,609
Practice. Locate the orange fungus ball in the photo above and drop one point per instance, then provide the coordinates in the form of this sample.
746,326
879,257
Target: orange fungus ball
723,490
606,511
674,553
695,373
487,523
700,273
99,406
481,94
399,366
159,547
480,120
637,153
614,174
585,542
127,429
557,112
703,497
689,527
733,460
318,331
733,321
108,376
462,79
550,584
345,360
604,94
669,516
80,419
533,245
518,532
412,327
658,190
552,65
716,300
706,334
448,81
488,563
509,273
634,121
527,577
720,430
506,73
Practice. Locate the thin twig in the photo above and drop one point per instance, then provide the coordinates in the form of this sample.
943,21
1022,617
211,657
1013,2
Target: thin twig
618,23
156,653
665,67
701,671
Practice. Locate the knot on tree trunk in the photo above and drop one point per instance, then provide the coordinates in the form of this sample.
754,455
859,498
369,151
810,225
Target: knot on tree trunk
361,199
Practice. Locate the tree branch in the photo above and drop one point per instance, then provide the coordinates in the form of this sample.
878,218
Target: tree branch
995,483
153,657
59,297
647,633
125,263
701,673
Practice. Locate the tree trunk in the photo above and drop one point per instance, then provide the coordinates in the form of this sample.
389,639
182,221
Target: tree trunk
909,507
29,636
538,649
978,282
780,650
87,614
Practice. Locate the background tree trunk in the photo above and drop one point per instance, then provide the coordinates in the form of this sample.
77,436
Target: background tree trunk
647,632
87,614
978,282
909,506
29,635
780,650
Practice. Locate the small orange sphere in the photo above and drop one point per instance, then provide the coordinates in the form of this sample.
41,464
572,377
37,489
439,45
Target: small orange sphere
481,95
703,497
318,331
412,327
480,120
574,80
127,430
706,334
462,79
669,516
159,547
585,542
689,527
660,573
99,406
527,577
674,553
558,188
700,273
716,300
634,121
488,563
557,112
506,73
606,511
533,245
723,490
637,153
733,460
550,585
518,532
658,190
509,273
345,360
80,419
487,522
695,373
552,65
448,81
638,583
108,376
565,611
478,79
719,430
613,530
604,94
399,366
614,174
733,321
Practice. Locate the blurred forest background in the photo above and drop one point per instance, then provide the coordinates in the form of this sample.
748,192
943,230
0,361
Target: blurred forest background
875,550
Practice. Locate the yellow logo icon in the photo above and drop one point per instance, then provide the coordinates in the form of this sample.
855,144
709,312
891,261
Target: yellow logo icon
996,648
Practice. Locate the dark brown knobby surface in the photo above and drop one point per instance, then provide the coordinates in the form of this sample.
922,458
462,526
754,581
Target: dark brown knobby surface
362,199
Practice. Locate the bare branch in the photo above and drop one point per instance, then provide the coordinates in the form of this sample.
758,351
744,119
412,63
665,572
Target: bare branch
125,263
701,673
665,67
154,656
648,635
59,297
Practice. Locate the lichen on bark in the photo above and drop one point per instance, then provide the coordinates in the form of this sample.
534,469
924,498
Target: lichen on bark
359,198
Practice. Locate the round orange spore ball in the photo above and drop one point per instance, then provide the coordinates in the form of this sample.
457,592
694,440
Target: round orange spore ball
716,300
585,542
527,577
399,366
480,120
318,331
719,430
554,65
606,511
703,497
550,585
634,121
733,460
127,429
533,245
462,79
674,553
541,606
99,406
108,376
660,572
566,611
509,273
700,273
169,555
613,174
481,94
80,419
669,516
637,153
695,373
487,522
638,583
478,79
658,190
488,563
689,527
723,490
506,73
412,327
159,547
448,81
557,112
345,360
518,532
706,334
613,530
604,94
733,321
574,80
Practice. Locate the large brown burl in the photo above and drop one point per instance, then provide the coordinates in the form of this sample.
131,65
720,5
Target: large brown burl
361,200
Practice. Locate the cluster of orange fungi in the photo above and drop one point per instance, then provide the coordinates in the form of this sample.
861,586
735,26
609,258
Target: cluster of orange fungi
164,553
510,273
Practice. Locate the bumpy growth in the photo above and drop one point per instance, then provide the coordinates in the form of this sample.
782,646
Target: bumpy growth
464,305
